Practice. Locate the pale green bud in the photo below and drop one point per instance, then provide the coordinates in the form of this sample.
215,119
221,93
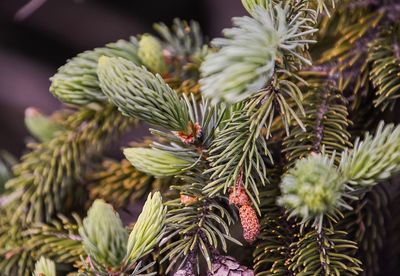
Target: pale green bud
76,82
45,267
148,228
151,54
155,162
312,188
104,236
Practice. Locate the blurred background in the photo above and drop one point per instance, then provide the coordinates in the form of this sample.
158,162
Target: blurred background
38,36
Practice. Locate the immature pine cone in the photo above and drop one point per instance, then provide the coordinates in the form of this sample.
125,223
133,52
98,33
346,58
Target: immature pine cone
250,223
228,266
239,197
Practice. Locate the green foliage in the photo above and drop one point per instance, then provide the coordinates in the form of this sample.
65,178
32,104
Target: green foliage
196,224
42,127
279,234
45,267
148,228
281,97
14,260
183,39
106,241
156,162
199,226
275,127
325,121
140,94
325,252
150,53
374,159
121,184
236,148
367,225
49,174
76,82
321,5
103,235
245,61
345,64
385,71
58,239
250,5
315,186
312,188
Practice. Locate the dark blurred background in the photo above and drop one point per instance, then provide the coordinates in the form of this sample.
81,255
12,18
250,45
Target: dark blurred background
34,45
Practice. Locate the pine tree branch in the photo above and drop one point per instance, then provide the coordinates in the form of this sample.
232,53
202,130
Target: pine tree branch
234,149
366,224
77,83
279,234
183,40
277,34
140,94
326,122
325,252
121,184
50,174
384,56
374,159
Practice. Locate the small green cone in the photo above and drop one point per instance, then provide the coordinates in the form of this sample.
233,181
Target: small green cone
104,237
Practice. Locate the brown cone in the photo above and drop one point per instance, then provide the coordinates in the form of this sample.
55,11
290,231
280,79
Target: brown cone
228,266
250,223
239,197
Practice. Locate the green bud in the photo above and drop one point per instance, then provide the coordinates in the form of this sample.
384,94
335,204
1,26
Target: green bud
76,82
40,126
155,162
151,54
312,188
141,94
45,267
104,237
147,230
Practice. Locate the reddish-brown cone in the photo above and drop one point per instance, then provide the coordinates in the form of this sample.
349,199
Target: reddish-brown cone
250,223
239,197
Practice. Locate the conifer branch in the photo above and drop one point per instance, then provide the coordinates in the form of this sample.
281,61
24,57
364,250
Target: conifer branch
247,56
183,40
59,239
237,148
384,56
325,253
366,224
279,234
121,184
373,159
52,171
77,83
326,123
138,93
